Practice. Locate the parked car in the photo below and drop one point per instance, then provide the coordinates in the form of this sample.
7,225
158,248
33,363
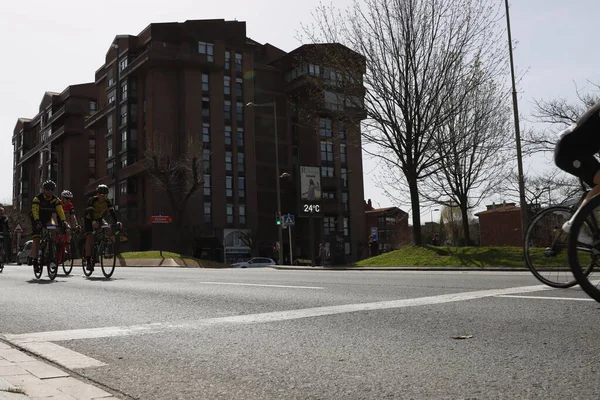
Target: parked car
24,253
255,262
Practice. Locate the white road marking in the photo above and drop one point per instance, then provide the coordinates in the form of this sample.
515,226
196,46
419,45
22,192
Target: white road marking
543,297
261,285
38,342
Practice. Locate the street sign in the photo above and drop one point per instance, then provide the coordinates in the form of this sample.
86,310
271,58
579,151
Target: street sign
289,220
161,219
374,232
18,228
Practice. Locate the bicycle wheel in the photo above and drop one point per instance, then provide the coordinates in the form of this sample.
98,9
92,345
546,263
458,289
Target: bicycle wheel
67,258
584,247
107,257
52,260
546,246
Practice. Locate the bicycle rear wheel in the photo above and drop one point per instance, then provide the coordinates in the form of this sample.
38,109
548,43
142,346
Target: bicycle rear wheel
546,246
584,248
107,257
67,258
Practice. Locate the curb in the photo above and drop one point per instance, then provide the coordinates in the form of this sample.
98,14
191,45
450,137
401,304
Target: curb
490,269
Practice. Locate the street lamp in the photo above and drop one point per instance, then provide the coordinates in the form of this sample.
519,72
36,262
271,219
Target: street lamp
277,174
522,201
431,213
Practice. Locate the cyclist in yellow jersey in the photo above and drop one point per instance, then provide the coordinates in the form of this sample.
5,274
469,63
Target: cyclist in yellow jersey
42,207
94,213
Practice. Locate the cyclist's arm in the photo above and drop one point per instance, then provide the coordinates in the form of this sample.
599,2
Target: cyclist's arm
73,218
60,212
89,211
35,208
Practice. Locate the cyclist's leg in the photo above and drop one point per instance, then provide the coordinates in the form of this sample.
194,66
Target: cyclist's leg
35,237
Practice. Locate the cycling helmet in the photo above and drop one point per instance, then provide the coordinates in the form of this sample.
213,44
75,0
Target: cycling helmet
67,194
102,189
49,185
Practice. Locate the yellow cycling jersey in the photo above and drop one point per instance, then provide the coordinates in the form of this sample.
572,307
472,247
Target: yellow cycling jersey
42,208
96,208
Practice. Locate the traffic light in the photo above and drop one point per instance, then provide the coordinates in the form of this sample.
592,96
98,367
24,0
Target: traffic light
277,219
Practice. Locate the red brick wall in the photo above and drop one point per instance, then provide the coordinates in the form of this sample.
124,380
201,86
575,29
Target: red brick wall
501,228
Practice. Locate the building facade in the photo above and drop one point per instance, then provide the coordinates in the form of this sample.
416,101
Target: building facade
177,90
390,225
500,225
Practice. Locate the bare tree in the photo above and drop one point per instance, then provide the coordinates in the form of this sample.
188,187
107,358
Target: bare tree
176,172
557,114
472,152
419,56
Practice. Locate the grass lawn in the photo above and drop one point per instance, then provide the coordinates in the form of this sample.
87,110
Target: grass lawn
179,259
476,257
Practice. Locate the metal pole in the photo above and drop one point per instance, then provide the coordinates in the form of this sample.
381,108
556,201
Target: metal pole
311,227
522,201
290,237
279,228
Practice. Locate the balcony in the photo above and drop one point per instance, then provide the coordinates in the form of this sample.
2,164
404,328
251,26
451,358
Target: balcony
96,117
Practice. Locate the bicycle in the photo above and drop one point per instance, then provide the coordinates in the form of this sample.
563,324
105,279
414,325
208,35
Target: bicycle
66,256
546,245
584,247
103,249
48,253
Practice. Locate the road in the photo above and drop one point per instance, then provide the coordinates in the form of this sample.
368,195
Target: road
174,333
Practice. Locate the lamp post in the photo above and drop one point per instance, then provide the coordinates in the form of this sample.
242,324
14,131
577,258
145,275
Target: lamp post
522,201
278,175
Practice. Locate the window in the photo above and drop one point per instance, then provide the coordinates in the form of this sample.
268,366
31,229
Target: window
92,164
227,60
240,162
345,200
133,111
314,69
229,213
207,49
346,230
109,147
242,209
205,107
133,138
123,187
345,176
110,97
239,88
326,152
207,190
124,160
343,153
205,132
325,127
92,146
241,187
123,64
228,161
205,83
227,135
328,225
238,62
342,130
133,89
207,211
227,110
110,168
109,124
229,186
206,160
123,114
124,91
227,85
327,172
239,111
334,101
328,195
110,77
347,248
240,137
92,107
123,139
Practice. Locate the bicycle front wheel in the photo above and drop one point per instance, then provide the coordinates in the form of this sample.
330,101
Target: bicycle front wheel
107,257
67,258
52,260
584,248
546,246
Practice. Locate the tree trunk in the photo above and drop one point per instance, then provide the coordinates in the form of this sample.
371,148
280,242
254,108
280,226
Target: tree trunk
465,224
416,211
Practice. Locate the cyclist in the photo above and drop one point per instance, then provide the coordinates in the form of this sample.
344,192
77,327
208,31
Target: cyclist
42,207
94,213
66,199
574,153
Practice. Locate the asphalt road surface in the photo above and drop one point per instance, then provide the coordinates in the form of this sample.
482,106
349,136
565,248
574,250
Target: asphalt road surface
174,333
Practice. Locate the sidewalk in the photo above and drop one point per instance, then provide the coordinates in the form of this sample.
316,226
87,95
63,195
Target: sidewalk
21,373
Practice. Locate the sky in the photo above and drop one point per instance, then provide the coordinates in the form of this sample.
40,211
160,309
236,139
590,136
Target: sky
48,45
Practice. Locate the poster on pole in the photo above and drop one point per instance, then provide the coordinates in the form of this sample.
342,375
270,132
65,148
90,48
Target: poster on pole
310,183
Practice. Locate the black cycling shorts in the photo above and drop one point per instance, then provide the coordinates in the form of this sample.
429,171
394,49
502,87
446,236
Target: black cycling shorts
575,152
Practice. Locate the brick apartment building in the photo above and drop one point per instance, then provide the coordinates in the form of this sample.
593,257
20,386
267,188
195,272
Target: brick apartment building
391,224
54,144
175,85
500,225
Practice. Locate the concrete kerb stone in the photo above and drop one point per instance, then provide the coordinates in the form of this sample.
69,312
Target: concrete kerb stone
415,268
